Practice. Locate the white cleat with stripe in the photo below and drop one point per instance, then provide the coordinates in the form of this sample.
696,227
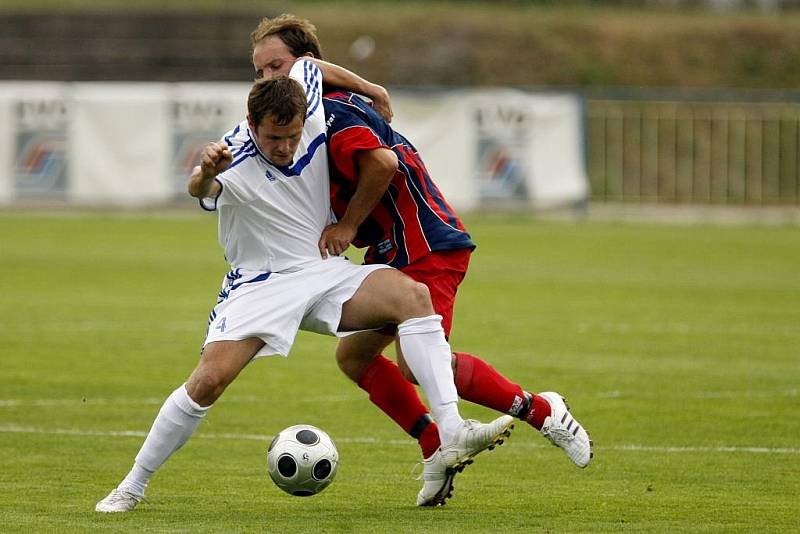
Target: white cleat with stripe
564,431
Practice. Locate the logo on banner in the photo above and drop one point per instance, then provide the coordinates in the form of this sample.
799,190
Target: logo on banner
504,133
40,159
197,123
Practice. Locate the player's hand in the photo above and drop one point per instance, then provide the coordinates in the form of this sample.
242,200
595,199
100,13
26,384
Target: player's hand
215,159
335,239
381,102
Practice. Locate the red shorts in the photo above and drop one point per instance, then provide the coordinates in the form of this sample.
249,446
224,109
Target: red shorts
442,271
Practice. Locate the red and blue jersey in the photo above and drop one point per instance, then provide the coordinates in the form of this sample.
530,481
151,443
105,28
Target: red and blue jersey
412,218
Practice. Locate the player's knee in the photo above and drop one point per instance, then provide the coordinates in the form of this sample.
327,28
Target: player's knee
416,301
206,386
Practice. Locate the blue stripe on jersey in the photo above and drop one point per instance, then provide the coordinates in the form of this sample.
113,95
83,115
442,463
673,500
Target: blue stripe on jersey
248,145
246,150
301,163
313,108
232,134
249,154
311,73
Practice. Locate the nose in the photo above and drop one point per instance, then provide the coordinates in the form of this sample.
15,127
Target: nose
284,147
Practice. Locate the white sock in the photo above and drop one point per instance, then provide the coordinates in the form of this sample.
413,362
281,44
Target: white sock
428,356
174,425
136,480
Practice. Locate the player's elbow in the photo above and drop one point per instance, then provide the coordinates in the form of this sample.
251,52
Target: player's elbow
194,190
379,164
389,164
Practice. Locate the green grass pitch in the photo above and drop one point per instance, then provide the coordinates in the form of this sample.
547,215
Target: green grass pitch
677,346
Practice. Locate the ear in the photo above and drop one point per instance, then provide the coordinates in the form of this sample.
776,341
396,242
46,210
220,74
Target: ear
309,54
251,124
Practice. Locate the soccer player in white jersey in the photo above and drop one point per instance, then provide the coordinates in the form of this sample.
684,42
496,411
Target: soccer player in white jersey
268,180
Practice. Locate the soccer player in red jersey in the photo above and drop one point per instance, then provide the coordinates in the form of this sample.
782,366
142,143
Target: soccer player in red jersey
385,200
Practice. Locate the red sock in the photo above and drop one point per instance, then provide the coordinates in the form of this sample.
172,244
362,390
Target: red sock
540,409
479,382
429,440
390,391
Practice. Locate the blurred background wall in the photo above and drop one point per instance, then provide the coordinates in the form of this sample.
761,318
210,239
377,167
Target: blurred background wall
681,102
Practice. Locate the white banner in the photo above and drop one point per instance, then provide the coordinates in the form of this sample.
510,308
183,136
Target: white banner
118,144
498,147
135,144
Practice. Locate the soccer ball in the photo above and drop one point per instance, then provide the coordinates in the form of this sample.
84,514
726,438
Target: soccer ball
302,460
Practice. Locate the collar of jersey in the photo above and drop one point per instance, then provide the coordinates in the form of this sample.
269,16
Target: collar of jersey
286,170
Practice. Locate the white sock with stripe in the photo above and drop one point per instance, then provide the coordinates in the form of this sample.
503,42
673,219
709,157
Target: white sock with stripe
428,356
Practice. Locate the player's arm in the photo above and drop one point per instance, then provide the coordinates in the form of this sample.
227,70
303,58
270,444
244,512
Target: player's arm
341,77
375,169
216,158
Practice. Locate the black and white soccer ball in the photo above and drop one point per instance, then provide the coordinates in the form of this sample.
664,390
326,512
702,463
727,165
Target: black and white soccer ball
302,460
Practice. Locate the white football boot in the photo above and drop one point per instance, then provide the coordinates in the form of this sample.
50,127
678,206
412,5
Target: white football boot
118,501
437,485
475,437
564,431
440,469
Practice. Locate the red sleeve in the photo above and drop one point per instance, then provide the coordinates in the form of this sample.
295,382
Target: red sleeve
343,145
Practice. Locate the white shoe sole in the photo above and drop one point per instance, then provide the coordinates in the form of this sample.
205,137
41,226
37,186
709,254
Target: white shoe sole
444,493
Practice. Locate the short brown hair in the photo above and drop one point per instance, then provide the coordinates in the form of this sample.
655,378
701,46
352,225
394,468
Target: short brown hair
280,98
298,34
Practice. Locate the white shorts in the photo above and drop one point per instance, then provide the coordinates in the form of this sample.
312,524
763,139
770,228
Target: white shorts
274,306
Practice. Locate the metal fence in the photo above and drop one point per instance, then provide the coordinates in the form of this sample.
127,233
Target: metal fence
694,152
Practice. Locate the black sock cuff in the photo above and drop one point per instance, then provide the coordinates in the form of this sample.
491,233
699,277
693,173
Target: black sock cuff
420,426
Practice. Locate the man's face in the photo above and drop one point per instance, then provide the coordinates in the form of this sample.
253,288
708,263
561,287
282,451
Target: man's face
278,142
272,57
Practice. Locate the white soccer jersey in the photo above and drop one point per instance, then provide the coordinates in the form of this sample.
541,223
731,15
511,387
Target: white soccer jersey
271,217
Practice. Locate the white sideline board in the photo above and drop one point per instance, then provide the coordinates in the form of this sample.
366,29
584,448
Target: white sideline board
134,144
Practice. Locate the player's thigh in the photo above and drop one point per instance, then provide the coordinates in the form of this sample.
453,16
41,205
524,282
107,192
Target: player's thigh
385,296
